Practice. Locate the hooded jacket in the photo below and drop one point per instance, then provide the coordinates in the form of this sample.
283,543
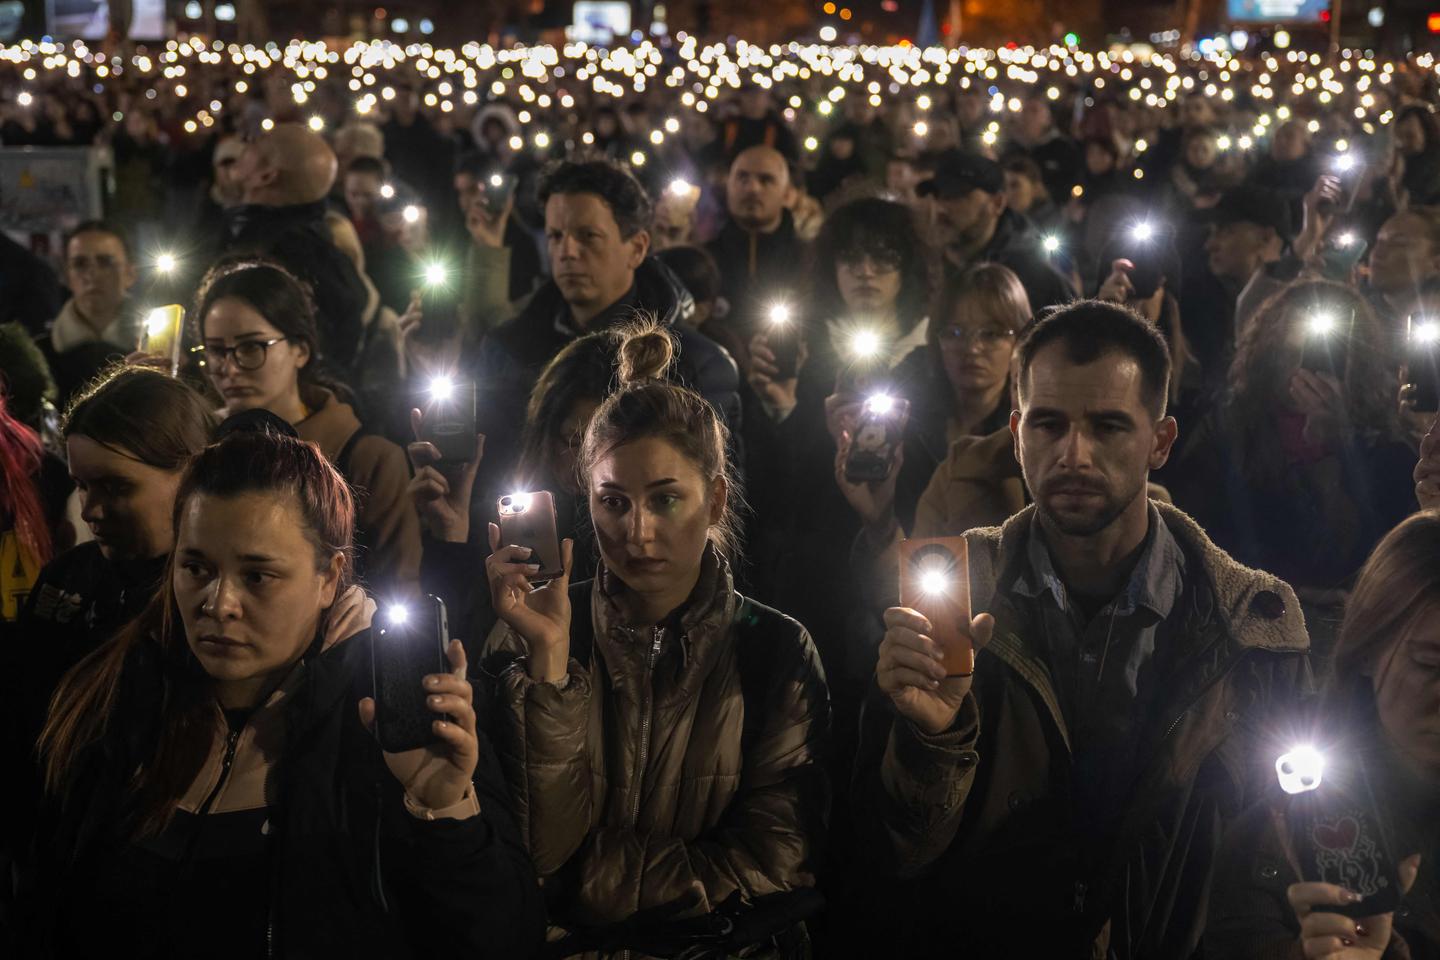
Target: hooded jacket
352,870
675,766
982,814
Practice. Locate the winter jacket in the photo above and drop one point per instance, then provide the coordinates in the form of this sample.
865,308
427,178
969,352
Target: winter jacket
757,268
351,869
674,767
981,816
387,527
1017,245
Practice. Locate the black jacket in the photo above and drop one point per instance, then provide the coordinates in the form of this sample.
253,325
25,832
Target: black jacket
30,293
298,238
1017,245
352,873
756,268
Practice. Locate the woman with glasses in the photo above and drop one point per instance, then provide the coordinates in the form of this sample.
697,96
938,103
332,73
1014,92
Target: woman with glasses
260,350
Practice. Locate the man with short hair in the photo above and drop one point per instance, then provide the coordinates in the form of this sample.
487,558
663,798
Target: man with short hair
98,321
1037,137
761,257
1068,799
973,224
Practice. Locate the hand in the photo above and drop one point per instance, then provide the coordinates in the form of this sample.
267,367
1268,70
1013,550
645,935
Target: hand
438,774
411,319
540,615
1320,397
488,229
912,675
1117,287
443,502
1427,471
874,501
842,414
1324,934
1319,212
781,394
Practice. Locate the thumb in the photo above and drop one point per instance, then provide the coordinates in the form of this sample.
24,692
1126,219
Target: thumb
982,628
1409,869
416,419
367,717
567,560
473,467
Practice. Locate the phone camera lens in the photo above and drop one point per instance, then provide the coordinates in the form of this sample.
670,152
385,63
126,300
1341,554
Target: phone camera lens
505,501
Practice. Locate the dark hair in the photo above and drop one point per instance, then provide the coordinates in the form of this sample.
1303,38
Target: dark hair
142,413
100,226
372,165
696,269
867,225
1429,125
584,370
1091,329
628,202
647,405
989,288
1025,167
273,292
245,462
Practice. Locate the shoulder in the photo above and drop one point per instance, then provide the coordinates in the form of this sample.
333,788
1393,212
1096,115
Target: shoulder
973,458
707,357
82,562
775,644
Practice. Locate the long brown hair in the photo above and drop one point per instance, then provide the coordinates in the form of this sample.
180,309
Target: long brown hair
144,414
85,702
1259,373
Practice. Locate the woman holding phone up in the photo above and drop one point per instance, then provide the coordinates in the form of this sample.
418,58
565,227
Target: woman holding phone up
212,785
662,734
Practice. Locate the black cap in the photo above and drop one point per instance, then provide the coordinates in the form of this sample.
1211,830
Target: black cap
957,173
1248,203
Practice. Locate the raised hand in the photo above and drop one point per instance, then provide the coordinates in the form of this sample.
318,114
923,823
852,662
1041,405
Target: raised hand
540,615
911,672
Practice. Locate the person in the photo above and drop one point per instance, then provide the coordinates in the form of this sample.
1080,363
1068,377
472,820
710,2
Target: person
1304,466
98,322
1405,255
251,808
758,251
973,224
1122,659
262,352
840,162
419,152
1417,145
756,124
596,225
1375,713
30,293
1037,137
1427,471
284,176
1026,194
474,181
1290,166
672,731
364,179
698,273
34,489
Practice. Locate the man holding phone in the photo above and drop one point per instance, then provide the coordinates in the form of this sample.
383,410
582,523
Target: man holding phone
1071,794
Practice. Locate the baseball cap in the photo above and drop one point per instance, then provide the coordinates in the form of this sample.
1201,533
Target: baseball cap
957,173
1251,204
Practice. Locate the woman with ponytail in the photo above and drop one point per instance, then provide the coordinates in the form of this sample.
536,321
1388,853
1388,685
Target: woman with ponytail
212,788
663,734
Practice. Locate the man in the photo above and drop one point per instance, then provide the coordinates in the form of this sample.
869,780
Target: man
484,192
597,219
364,180
284,177
1406,254
761,258
973,224
1068,799
1026,194
98,321
1037,137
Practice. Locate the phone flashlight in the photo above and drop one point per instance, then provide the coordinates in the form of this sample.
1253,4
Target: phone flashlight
166,263
387,191
1427,332
442,389
1321,324
1051,243
411,214
865,344
934,582
680,187
921,128
1344,163
880,404
1300,770
158,322
436,274
516,502
779,315
496,180
397,614
1142,231
1346,239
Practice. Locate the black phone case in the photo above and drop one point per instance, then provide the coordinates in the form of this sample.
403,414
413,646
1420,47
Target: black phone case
1423,366
868,463
535,528
450,425
1339,840
401,656
785,345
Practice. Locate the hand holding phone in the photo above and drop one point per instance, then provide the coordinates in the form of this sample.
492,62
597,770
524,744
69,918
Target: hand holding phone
449,421
163,332
540,615
408,646
878,435
782,333
935,581
441,490
1422,363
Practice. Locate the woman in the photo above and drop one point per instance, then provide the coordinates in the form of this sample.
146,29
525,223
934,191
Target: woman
667,732
257,323
213,787
33,493
1377,709
1305,466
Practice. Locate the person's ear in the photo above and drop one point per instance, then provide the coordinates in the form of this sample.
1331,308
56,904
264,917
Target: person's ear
330,580
1166,431
997,203
639,248
719,496
1015,434
302,355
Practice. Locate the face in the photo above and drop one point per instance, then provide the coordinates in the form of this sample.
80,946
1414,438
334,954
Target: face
256,167
975,349
1236,250
1035,118
230,322
1407,692
1196,112
1403,255
1292,141
127,504
467,188
966,220
843,148
1086,440
758,189
362,190
653,512
1098,160
247,585
99,273
1201,152
565,445
869,283
592,263
1410,136
1019,191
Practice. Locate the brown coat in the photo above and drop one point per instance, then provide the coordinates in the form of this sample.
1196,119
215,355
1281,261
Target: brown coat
379,473
631,785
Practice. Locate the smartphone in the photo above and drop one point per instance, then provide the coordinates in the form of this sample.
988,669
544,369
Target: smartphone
783,339
878,435
1147,276
496,189
1422,363
528,520
408,647
935,580
163,331
1341,254
449,421
1326,345
1336,834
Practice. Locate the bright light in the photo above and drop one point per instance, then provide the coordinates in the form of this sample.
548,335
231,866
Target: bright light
1282,39
158,322
1142,231
442,388
436,274
865,344
880,404
1427,332
24,99
1322,324
680,187
411,214
398,614
519,502
1300,770
1051,243
387,191
165,263
1346,239
934,581
827,34
496,180
921,128
317,123
637,159
779,315
1344,163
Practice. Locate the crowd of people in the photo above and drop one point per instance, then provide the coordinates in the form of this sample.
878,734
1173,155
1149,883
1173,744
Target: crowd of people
1155,336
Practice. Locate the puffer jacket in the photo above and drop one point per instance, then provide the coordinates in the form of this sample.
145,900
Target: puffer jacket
673,769
981,816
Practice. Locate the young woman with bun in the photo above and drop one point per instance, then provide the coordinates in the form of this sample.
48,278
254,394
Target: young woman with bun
663,734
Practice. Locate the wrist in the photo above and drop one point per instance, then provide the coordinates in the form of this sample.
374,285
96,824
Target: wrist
549,663
880,530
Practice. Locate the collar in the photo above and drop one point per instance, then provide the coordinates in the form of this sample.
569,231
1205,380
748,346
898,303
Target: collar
70,329
621,309
1154,584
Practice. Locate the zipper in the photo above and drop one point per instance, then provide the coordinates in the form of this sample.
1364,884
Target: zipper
642,755
231,740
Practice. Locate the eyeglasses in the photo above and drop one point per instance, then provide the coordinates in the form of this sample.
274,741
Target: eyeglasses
981,336
248,354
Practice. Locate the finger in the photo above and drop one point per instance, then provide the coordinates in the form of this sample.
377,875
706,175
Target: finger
901,639
457,710
1325,924
982,628
513,554
416,419
519,583
422,453
1322,947
1409,869
907,619
523,571
567,561
455,653
460,740
1305,897
425,489
897,657
1121,265
896,680
494,538
367,713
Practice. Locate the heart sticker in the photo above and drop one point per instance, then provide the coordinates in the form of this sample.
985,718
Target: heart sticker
1340,835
